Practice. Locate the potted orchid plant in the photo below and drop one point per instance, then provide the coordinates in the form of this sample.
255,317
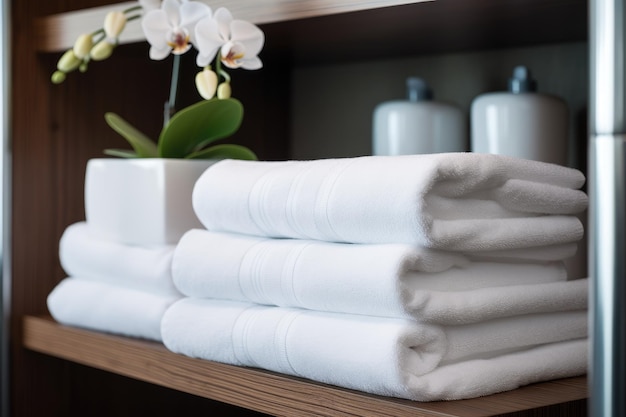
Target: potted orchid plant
173,27
145,198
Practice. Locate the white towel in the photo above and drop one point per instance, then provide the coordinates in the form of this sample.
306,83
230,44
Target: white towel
109,308
453,201
139,267
390,280
385,356
476,378
558,252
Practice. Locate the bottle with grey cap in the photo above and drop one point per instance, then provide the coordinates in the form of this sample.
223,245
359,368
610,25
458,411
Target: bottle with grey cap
418,125
520,122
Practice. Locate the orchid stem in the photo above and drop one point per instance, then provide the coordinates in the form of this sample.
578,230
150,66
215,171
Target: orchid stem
132,9
170,106
219,70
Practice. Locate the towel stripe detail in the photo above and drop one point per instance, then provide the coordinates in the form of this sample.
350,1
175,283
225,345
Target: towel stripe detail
264,331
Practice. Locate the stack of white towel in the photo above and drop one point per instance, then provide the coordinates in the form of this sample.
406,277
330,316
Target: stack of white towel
111,286
425,277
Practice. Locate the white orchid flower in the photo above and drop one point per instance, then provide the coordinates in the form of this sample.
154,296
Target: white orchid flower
170,28
238,41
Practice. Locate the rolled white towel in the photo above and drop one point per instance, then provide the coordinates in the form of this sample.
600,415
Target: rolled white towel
109,308
390,280
385,356
452,201
140,267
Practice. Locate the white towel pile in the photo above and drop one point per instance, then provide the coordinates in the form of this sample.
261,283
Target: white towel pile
112,287
427,277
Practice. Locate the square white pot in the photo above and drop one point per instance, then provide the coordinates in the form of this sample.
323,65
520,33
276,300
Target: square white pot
141,201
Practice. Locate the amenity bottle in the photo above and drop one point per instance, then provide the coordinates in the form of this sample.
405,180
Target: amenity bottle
520,122
418,125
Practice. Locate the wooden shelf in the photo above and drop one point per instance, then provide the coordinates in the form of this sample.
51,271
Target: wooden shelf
314,31
59,32
274,393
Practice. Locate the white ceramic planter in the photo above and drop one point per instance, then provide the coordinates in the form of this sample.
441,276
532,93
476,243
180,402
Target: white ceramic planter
141,201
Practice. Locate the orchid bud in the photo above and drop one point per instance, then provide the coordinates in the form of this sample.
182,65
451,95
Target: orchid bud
206,83
224,90
114,23
102,50
82,46
58,77
68,62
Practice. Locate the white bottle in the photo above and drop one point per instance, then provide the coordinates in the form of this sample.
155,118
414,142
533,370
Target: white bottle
418,125
520,122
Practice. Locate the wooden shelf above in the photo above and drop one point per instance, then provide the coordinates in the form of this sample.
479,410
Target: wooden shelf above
274,393
59,32
323,31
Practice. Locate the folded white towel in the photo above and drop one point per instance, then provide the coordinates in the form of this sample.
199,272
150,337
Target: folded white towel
480,377
139,267
108,308
558,252
378,355
390,280
453,201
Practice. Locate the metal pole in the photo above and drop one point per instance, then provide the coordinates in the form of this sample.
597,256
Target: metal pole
607,188
5,282
5,177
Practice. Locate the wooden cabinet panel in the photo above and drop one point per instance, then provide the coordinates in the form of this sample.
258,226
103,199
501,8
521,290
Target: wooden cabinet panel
56,129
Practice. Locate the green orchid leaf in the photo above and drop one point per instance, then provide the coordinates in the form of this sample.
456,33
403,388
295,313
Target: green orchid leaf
196,126
121,153
225,151
144,147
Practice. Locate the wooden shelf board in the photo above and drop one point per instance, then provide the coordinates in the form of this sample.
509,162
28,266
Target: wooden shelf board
270,392
312,32
59,32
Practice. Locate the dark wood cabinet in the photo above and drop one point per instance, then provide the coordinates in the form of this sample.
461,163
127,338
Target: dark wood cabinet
55,129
